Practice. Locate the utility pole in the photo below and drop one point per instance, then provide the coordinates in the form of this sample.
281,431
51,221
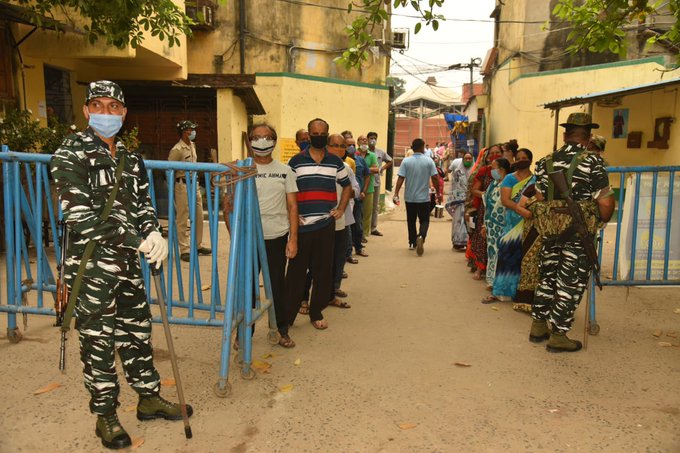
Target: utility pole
474,63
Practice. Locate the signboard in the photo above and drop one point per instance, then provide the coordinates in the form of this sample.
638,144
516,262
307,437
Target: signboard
641,247
288,148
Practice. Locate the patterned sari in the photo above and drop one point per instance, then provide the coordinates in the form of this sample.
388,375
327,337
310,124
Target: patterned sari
509,264
494,219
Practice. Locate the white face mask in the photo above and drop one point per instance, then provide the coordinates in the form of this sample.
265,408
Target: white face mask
262,146
192,135
372,142
363,147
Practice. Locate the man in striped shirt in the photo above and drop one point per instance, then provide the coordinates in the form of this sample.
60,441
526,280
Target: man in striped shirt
318,207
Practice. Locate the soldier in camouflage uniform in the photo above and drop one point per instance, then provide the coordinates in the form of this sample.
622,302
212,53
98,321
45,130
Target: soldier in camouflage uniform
112,313
564,267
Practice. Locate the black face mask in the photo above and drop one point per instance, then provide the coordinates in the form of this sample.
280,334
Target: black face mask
522,164
319,141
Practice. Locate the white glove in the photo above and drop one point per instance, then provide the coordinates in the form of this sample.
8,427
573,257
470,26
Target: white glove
144,247
158,249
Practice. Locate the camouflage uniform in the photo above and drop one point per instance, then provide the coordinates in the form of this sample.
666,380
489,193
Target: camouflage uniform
111,309
564,268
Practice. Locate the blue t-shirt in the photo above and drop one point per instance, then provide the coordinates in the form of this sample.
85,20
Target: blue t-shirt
417,170
362,171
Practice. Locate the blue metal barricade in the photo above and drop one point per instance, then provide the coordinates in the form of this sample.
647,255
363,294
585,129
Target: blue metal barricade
31,215
647,242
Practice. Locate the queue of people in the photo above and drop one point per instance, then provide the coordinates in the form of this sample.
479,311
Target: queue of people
517,234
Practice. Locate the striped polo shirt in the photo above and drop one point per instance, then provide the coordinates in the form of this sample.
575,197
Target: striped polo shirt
316,195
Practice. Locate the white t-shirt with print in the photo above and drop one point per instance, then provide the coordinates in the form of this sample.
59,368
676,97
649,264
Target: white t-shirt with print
274,181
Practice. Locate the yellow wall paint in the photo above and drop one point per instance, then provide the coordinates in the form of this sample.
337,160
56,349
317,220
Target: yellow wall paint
291,103
516,109
232,120
643,110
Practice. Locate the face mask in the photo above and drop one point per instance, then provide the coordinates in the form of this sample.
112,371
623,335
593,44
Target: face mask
372,142
351,149
262,146
492,158
522,164
105,125
319,141
192,135
467,163
496,174
304,146
364,148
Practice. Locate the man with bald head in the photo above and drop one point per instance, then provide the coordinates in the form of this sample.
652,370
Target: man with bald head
302,139
319,208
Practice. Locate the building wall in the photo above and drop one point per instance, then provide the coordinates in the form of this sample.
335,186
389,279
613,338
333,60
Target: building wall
232,120
292,100
282,37
407,129
643,110
515,104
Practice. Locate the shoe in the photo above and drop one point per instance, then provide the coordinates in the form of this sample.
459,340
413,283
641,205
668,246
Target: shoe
352,260
539,331
364,240
204,251
419,245
411,246
376,233
152,407
362,253
184,257
340,293
344,274
111,432
559,342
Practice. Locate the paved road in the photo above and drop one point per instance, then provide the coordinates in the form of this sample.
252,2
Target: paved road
384,377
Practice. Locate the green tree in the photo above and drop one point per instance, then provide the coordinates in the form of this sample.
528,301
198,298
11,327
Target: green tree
397,83
601,25
119,22
372,14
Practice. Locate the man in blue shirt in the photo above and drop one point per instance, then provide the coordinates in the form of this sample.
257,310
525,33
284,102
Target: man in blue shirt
417,170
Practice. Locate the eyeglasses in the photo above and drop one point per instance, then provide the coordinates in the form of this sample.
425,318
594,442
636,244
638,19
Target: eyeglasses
337,146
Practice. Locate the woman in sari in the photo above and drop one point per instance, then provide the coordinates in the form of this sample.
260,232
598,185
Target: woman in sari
455,205
508,267
474,210
494,217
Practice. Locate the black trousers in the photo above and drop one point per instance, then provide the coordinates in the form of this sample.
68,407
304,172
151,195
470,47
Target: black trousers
357,227
276,260
339,256
421,211
315,252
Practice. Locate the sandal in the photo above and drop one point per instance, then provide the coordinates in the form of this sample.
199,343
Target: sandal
477,275
340,293
304,309
320,324
286,342
339,304
490,300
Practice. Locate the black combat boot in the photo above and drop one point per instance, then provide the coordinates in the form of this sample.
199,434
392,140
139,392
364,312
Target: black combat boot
111,432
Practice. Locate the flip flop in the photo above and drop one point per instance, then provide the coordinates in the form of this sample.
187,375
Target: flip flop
304,309
286,342
339,304
320,324
340,293
490,300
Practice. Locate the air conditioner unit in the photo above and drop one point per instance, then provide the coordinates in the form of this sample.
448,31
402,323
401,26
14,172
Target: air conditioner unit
202,12
400,39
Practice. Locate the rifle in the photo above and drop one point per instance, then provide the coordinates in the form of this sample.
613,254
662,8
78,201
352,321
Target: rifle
62,294
559,180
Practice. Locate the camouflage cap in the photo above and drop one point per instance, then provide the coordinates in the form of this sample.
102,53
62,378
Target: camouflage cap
580,119
104,89
186,124
598,142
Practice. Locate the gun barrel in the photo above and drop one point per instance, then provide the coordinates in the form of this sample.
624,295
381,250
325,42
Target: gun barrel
62,352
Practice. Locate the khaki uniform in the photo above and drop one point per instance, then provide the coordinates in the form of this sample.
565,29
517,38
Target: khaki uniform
182,152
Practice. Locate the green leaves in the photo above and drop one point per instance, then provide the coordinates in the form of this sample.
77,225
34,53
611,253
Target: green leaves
601,25
119,22
373,13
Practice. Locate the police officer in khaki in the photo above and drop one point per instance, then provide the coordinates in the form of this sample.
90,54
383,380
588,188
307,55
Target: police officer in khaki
185,151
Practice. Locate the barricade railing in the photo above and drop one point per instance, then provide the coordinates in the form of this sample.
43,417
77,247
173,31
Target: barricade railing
646,240
32,213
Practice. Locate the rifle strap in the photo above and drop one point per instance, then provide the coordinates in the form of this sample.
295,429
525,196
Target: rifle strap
578,158
89,248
